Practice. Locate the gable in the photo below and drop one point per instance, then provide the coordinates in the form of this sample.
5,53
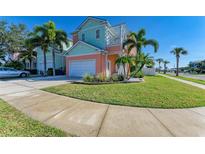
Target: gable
90,22
81,49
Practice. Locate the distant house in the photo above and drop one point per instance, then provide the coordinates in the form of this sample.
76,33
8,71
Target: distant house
197,66
59,58
33,64
96,46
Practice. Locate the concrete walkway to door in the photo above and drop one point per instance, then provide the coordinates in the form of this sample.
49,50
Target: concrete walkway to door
84,118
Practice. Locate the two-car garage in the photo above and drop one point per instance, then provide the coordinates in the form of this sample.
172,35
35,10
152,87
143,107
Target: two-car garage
78,68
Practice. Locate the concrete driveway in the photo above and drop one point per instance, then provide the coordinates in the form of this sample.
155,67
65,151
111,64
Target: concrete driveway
84,118
36,82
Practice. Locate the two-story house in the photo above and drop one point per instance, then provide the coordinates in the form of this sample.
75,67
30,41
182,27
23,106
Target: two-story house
96,46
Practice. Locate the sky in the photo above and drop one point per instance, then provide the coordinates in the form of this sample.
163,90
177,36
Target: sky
170,32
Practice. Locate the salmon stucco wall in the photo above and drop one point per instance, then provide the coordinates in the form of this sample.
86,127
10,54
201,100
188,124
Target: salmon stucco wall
112,59
114,49
100,62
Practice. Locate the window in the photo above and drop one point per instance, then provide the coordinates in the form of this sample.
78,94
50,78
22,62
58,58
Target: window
83,37
97,34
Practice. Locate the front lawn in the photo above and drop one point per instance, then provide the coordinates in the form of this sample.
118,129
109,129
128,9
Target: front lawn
155,92
190,79
14,123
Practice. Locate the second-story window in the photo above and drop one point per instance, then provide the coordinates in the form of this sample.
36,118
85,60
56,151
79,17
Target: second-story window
97,34
83,37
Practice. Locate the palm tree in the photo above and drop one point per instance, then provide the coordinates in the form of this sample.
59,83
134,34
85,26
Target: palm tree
124,60
165,65
29,54
56,39
138,41
159,60
140,60
39,38
47,36
60,39
177,52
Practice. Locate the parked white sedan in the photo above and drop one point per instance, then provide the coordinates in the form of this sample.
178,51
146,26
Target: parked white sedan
10,72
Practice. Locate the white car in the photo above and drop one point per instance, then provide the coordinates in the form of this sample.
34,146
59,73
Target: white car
10,72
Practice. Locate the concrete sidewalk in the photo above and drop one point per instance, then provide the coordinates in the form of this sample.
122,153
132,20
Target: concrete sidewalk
184,81
84,118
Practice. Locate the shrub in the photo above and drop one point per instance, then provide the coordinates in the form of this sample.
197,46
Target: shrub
139,75
50,72
100,77
115,77
88,78
107,79
120,77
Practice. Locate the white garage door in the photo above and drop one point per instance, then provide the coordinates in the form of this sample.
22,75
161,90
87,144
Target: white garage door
81,67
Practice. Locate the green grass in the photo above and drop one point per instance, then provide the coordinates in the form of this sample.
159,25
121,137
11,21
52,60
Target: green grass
14,123
155,92
189,79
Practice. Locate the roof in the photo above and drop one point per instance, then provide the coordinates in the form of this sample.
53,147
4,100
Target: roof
87,44
103,21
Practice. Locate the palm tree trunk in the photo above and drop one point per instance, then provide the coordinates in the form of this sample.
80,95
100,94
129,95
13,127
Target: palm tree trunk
159,67
44,56
30,62
140,68
124,71
54,63
177,71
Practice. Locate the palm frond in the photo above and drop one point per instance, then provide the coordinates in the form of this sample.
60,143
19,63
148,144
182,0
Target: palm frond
128,42
153,43
141,33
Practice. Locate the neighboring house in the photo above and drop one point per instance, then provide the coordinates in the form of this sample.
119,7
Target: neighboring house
96,46
16,57
33,64
59,58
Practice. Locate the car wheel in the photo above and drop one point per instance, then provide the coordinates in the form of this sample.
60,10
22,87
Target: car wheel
23,75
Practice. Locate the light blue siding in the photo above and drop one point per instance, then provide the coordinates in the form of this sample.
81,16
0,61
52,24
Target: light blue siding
81,49
89,29
59,59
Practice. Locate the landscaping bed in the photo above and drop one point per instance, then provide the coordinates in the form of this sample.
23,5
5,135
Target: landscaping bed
135,80
14,123
156,92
